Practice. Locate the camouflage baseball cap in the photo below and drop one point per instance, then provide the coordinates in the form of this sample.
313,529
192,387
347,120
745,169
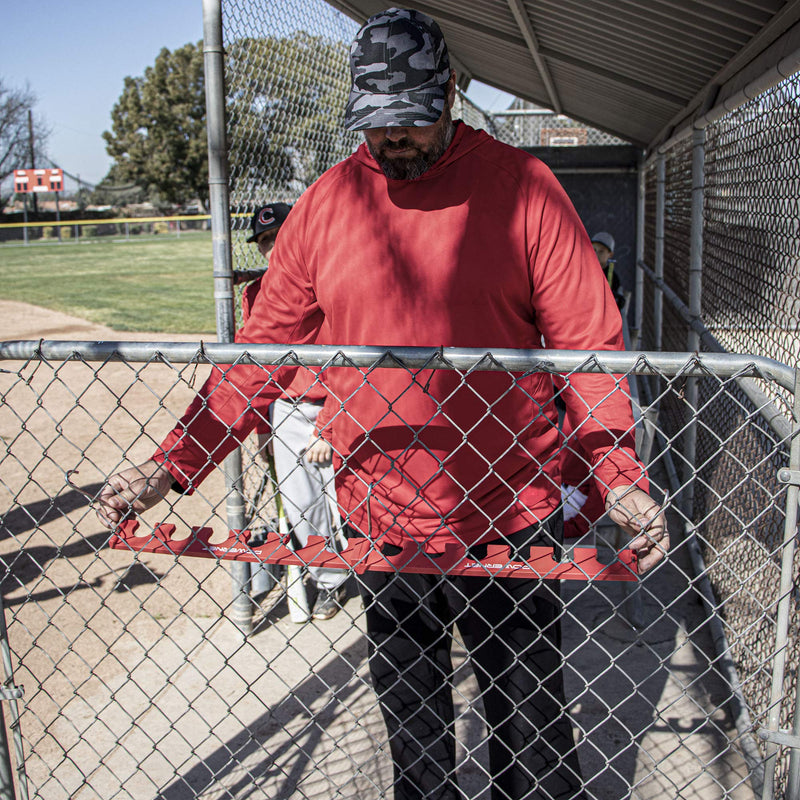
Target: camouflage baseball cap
400,70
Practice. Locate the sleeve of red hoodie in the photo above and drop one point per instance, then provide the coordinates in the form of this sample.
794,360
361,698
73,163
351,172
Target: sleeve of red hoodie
575,310
285,310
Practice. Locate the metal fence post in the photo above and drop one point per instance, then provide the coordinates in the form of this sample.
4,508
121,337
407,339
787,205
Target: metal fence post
791,477
213,55
793,784
658,299
10,693
636,334
695,309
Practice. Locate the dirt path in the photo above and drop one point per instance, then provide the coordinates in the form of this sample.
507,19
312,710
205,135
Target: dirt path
24,321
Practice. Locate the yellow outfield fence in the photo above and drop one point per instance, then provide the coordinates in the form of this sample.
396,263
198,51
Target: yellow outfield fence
105,221
59,230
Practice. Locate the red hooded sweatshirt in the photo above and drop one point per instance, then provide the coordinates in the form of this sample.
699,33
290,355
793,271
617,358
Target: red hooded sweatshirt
484,250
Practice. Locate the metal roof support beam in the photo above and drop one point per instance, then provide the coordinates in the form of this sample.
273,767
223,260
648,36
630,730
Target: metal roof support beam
526,28
785,68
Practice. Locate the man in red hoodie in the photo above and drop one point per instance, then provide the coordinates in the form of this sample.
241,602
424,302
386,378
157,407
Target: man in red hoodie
452,239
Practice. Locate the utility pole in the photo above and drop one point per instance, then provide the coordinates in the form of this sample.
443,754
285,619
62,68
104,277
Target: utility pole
33,158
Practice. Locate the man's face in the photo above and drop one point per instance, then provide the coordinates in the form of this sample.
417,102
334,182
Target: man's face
266,241
603,253
405,153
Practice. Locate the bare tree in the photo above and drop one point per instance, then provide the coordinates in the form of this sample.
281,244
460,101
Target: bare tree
15,135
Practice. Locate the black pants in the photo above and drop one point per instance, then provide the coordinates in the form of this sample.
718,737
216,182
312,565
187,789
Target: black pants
510,627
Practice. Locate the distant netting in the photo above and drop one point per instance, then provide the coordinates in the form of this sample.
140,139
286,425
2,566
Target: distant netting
751,246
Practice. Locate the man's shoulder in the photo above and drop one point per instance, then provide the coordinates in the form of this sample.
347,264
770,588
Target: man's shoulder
511,161
342,170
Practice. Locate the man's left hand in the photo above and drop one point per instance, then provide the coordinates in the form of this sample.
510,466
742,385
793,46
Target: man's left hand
643,519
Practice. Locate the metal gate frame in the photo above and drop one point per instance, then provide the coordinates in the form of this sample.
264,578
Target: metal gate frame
745,369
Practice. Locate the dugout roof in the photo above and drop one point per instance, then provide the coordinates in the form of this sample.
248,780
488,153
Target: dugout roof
640,69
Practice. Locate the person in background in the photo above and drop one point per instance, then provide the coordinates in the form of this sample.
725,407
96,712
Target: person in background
303,465
582,498
603,244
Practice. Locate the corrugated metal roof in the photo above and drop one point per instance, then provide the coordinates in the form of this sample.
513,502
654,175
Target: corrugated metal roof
635,68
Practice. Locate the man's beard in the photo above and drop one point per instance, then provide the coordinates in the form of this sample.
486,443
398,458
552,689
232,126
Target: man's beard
407,169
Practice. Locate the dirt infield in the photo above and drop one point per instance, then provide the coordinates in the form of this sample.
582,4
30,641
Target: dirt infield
80,423
137,685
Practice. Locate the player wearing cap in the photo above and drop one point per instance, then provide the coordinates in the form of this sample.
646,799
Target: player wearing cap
452,239
603,244
302,459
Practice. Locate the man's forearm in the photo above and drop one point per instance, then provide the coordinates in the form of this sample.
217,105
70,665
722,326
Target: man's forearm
219,418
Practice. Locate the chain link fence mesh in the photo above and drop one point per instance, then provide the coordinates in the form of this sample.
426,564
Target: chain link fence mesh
751,246
749,304
138,684
287,80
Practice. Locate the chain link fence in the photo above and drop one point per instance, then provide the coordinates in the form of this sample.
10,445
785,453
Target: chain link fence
137,683
287,80
746,300
125,674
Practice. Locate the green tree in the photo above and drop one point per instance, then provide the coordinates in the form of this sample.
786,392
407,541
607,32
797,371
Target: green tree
286,99
158,129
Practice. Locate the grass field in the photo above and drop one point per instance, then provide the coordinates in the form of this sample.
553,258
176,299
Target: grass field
160,284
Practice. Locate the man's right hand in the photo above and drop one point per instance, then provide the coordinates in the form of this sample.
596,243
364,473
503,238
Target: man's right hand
132,491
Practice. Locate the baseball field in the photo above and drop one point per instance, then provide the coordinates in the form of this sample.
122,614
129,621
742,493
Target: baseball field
156,284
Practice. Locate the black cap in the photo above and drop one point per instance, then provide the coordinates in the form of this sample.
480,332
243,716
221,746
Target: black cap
268,218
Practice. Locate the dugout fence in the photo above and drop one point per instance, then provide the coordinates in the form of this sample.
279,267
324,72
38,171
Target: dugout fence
717,258
717,272
127,676
127,673
739,149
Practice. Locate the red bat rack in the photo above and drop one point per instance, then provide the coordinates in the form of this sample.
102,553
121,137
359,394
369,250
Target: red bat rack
360,555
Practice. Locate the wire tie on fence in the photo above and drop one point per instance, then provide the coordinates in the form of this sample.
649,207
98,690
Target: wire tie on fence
78,489
194,367
38,357
438,357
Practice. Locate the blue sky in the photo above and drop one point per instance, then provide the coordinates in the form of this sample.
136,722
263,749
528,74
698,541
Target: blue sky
75,54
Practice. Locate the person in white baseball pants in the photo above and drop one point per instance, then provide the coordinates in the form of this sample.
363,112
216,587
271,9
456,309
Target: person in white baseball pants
305,479
302,459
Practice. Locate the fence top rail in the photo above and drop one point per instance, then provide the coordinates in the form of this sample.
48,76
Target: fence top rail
723,365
